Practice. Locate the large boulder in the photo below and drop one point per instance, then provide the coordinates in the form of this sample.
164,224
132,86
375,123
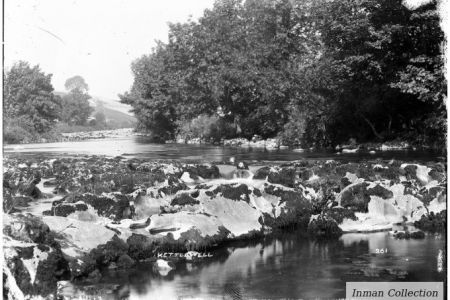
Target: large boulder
294,209
78,239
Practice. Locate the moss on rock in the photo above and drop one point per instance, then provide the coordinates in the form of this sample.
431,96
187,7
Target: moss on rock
234,192
324,227
339,214
114,207
355,197
433,222
184,199
140,247
380,191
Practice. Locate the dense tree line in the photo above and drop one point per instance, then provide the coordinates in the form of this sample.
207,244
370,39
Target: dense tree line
314,73
31,109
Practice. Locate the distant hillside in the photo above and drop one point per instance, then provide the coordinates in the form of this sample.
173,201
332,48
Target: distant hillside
114,104
117,114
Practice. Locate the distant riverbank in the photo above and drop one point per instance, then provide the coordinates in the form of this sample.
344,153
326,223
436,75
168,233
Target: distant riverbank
56,137
97,134
241,144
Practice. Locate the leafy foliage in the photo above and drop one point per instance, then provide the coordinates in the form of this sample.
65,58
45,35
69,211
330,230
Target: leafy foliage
207,128
76,109
315,73
76,83
29,95
386,61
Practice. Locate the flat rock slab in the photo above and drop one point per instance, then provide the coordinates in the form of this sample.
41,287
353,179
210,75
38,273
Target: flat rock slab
78,237
183,221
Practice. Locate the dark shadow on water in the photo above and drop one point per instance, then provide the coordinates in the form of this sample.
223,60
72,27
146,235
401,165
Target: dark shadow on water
289,266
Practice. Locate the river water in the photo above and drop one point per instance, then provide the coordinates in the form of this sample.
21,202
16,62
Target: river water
137,146
289,265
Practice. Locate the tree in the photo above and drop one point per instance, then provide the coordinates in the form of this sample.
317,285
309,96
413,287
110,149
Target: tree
76,83
372,50
313,72
153,95
76,109
29,95
236,59
423,76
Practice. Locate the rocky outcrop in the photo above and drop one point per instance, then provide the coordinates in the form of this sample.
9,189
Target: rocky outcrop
112,212
405,234
33,260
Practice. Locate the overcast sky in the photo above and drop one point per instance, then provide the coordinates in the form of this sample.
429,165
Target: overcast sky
97,39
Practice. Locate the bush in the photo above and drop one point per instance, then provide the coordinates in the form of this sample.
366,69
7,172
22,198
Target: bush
18,131
305,129
294,129
207,128
16,135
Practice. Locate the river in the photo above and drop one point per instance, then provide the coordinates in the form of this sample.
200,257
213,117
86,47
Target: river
140,147
288,265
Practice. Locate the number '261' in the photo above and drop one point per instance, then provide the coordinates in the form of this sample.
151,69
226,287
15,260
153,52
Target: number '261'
381,251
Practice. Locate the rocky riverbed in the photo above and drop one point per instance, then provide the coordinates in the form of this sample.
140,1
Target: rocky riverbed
97,134
66,219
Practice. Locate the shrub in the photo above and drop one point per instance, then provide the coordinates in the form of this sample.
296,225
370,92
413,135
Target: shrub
17,131
207,128
294,129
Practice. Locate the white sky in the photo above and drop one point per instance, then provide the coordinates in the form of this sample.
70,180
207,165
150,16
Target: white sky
97,39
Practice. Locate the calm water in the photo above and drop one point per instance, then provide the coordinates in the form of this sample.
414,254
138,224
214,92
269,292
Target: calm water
288,266
135,146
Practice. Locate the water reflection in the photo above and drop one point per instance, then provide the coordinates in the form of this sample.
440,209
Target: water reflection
288,266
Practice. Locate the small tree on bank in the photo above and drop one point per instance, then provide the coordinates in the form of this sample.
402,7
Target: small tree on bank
76,109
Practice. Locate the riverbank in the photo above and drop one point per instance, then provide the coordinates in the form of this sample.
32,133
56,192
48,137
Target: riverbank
69,218
56,136
272,144
97,134
277,144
